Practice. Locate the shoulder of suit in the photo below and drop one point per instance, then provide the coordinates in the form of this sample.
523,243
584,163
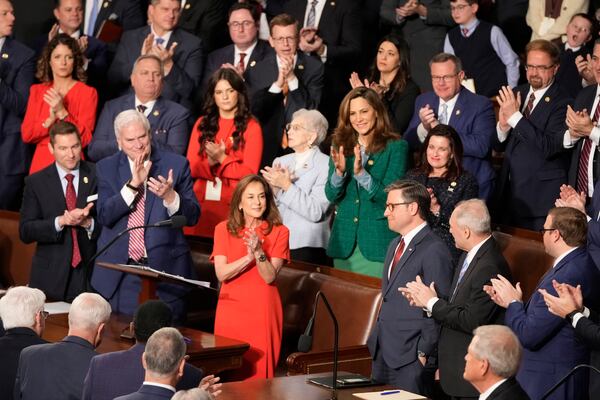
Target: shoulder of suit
173,106
187,38
20,49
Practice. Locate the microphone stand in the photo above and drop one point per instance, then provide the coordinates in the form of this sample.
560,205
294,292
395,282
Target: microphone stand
564,378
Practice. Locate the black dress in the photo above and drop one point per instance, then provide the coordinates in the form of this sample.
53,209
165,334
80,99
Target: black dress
448,194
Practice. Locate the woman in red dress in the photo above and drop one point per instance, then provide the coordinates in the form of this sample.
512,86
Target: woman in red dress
249,249
226,145
62,95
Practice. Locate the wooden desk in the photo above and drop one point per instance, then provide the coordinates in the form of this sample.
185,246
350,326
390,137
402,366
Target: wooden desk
211,353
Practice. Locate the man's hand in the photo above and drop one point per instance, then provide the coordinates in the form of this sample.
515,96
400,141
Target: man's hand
166,55
570,198
579,122
409,8
418,293
569,299
147,45
584,67
163,187
509,104
140,172
77,217
83,43
428,118
502,292
210,384
286,70
355,81
53,32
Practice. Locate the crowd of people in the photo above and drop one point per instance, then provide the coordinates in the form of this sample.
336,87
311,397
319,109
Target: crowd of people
357,134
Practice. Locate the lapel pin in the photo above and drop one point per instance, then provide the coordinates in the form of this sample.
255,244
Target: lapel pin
305,165
85,179
332,4
5,55
547,99
187,6
300,67
155,113
252,63
370,162
105,5
457,112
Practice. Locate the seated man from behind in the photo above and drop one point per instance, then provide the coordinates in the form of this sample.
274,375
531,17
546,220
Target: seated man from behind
22,313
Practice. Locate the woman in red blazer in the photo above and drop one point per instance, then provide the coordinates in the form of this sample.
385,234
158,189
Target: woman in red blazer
226,145
62,95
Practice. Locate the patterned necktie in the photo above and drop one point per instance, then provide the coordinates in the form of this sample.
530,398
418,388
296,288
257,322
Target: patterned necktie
312,15
71,199
92,20
137,246
463,269
465,32
142,108
241,66
397,255
584,159
159,41
529,105
444,114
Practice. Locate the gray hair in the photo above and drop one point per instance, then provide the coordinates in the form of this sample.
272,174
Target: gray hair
129,117
473,214
315,121
155,2
149,57
443,57
164,351
500,347
192,394
88,311
19,306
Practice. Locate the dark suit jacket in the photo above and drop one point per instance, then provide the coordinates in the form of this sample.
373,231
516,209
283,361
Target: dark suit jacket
121,372
11,344
16,76
469,308
148,392
169,126
43,201
166,248
269,107
182,80
53,371
535,160
509,390
550,346
126,13
402,330
207,19
474,120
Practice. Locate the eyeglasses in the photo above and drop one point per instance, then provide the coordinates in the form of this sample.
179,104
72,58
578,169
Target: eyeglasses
391,206
286,39
544,230
459,7
236,26
296,127
578,28
542,68
444,78
44,313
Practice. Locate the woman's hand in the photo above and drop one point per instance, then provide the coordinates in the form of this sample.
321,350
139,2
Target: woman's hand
339,160
252,241
55,102
215,152
355,81
358,167
435,206
277,177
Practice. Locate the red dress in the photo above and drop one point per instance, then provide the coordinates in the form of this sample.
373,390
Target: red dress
237,164
80,102
249,309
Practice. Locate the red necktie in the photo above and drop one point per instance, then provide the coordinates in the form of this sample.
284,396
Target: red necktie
529,106
584,158
397,255
71,199
137,246
241,66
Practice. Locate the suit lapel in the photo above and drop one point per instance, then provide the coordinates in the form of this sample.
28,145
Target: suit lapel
409,250
86,181
459,108
55,190
470,268
154,172
155,114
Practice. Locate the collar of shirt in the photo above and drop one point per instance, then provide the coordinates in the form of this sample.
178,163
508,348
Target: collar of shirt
471,253
450,103
569,47
169,387
563,255
301,159
539,94
149,105
2,41
412,233
248,52
470,27
166,37
63,181
75,35
279,62
486,394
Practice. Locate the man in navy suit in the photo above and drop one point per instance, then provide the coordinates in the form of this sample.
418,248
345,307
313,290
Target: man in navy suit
403,338
551,348
138,186
530,130
121,372
169,121
55,371
470,114
180,52
17,67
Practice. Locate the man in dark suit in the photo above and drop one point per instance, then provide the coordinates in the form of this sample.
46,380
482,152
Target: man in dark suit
17,67
471,115
530,130
140,186
282,83
22,313
551,346
331,33
169,121
55,371
403,338
121,372
125,13
492,361
180,52
469,306
57,214
206,19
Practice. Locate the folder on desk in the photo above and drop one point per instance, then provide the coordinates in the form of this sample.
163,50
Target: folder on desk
401,395
343,381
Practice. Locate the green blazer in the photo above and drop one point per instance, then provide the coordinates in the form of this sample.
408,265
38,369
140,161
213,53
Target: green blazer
359,213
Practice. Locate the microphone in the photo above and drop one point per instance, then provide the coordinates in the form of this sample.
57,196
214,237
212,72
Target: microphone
567,376
176,221
305,340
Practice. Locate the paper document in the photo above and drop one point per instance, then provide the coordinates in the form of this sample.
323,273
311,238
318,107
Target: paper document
389,395
58,307
163,273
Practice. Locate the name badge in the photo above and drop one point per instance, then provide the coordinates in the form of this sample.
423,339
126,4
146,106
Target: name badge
213,190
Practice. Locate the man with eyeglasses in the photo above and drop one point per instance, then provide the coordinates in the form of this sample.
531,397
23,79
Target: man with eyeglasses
403,338
530,131
471,115
281,84
23,316
550,346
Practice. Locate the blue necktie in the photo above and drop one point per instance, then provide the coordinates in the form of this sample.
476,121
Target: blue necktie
92,20
160,41
463,269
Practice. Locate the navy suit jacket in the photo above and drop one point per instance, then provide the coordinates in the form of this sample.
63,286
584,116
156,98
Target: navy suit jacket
126,13
167,249
402,330
169,126
474,120
148,392
535,161
207,19
550,346
184,77
121,372
53,371
11,345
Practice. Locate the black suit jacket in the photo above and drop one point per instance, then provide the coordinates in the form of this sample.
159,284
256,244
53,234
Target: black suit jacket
11,344
126,13
148,392
509,390
43,201
469,308
207,19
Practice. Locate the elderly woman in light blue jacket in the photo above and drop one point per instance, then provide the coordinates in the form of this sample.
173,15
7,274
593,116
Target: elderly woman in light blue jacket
298,180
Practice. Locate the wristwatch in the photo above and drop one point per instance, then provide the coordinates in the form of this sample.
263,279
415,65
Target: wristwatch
262,258
130,186
569,316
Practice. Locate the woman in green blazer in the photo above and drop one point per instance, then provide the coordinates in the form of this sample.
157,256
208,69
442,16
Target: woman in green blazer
366,156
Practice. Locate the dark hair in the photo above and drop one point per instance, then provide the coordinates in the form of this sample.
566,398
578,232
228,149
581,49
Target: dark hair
571,224
413,191
545,46
150,317
209,126
345,135
44,71
455,168
469,2
252,6
235,220
283,20
402,76
63,128
586,17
